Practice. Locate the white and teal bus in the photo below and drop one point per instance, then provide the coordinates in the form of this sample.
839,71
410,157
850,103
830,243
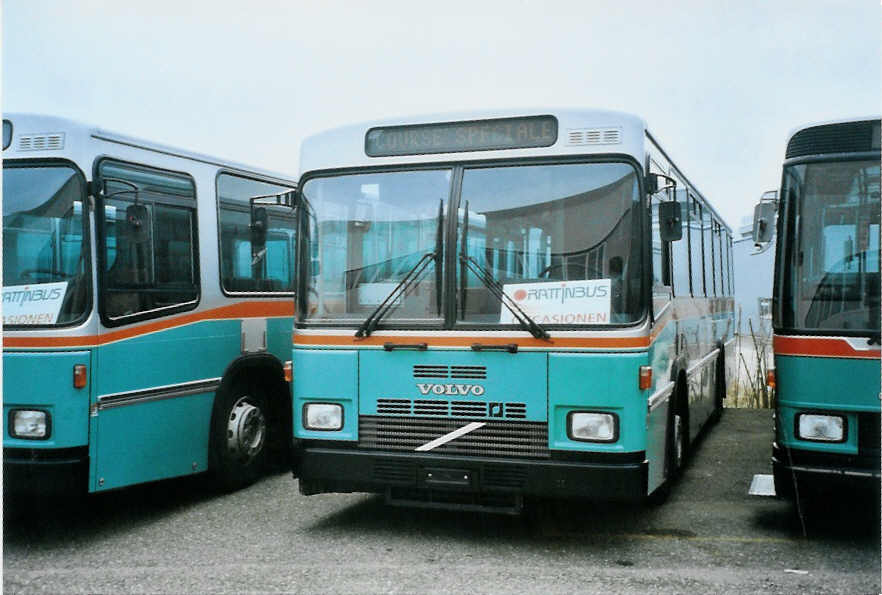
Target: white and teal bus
147,310
506,304
826,309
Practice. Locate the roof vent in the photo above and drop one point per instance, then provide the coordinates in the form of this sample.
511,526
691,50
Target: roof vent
594,136
50,141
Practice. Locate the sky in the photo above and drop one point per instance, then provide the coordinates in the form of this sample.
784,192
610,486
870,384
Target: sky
720,83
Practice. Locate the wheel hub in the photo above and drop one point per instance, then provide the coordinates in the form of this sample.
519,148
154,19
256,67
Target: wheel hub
246,430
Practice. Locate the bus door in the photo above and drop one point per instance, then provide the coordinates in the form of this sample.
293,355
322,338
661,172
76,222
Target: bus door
156,374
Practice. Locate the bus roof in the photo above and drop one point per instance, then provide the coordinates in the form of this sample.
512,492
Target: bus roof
29,126
345,146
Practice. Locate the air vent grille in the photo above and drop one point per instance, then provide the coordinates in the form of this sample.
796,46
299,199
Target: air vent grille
434,371
460,409
594,136
430,371
518,439
473,372
41,142
846,137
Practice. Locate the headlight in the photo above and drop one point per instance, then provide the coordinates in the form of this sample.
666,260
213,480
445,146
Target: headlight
593,427
29,424
322,416
820,428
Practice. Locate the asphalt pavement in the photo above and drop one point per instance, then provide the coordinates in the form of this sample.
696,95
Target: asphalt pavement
709,537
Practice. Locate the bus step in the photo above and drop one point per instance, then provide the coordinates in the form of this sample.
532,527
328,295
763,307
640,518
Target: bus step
512,504
762,485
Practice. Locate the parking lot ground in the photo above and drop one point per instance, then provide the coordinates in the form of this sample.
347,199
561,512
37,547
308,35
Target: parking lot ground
710,536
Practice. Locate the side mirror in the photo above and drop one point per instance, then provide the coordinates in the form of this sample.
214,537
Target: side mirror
670,219
764,222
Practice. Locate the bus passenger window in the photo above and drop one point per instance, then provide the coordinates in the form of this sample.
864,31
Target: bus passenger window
250,262
148,241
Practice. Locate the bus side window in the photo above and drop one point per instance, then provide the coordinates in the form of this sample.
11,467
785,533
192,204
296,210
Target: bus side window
251,263
148,241
707,253
680,249
695,247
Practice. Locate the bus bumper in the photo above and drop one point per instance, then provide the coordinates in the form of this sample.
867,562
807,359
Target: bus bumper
328,469
51,471
818,471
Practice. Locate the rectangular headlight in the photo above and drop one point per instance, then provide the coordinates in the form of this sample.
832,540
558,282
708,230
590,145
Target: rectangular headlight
593,427
322,416
820,428
30,424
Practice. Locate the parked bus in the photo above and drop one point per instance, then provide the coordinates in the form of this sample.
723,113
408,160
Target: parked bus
147,309
826,308
503,305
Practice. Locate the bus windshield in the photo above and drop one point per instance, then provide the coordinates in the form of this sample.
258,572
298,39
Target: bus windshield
831,279
561,239
558,239
367,232
45,265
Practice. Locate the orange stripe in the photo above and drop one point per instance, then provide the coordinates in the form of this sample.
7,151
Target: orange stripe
232,311
820,347
466,341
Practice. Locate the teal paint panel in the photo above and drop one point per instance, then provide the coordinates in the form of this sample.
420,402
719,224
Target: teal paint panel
510,378
827,383
787,429
42,380
656,443
838,385
325,376
184,354
153,440
597,382
278,337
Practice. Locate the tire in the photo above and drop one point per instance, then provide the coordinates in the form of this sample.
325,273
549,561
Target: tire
679,435
720,390
239,435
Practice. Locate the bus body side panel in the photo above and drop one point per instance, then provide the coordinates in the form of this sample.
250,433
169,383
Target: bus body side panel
824,384
44,381
160,434
34,380
605,383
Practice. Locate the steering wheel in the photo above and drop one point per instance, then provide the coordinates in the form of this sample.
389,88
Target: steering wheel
547,270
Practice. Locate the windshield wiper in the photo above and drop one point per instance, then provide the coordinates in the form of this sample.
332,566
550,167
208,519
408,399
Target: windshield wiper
370,323
490,282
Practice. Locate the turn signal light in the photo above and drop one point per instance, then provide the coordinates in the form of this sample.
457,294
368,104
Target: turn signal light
79,376
288,367
645,377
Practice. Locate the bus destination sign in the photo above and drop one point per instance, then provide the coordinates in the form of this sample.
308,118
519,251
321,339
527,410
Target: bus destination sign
457,137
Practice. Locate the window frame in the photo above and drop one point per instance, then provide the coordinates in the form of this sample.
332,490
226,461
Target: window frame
295,261
87,241
457,167
100,250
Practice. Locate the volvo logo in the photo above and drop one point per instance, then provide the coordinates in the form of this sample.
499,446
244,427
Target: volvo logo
452,390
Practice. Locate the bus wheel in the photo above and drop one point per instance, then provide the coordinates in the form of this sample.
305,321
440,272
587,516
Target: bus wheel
679,435
240,436
720,390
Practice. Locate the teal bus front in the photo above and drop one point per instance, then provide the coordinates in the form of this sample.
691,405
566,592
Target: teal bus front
827,366
425,385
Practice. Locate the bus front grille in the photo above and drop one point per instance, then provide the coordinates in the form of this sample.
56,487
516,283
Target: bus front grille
517,439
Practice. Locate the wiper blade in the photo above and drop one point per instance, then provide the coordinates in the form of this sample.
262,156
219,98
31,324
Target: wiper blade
496,289
370,323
